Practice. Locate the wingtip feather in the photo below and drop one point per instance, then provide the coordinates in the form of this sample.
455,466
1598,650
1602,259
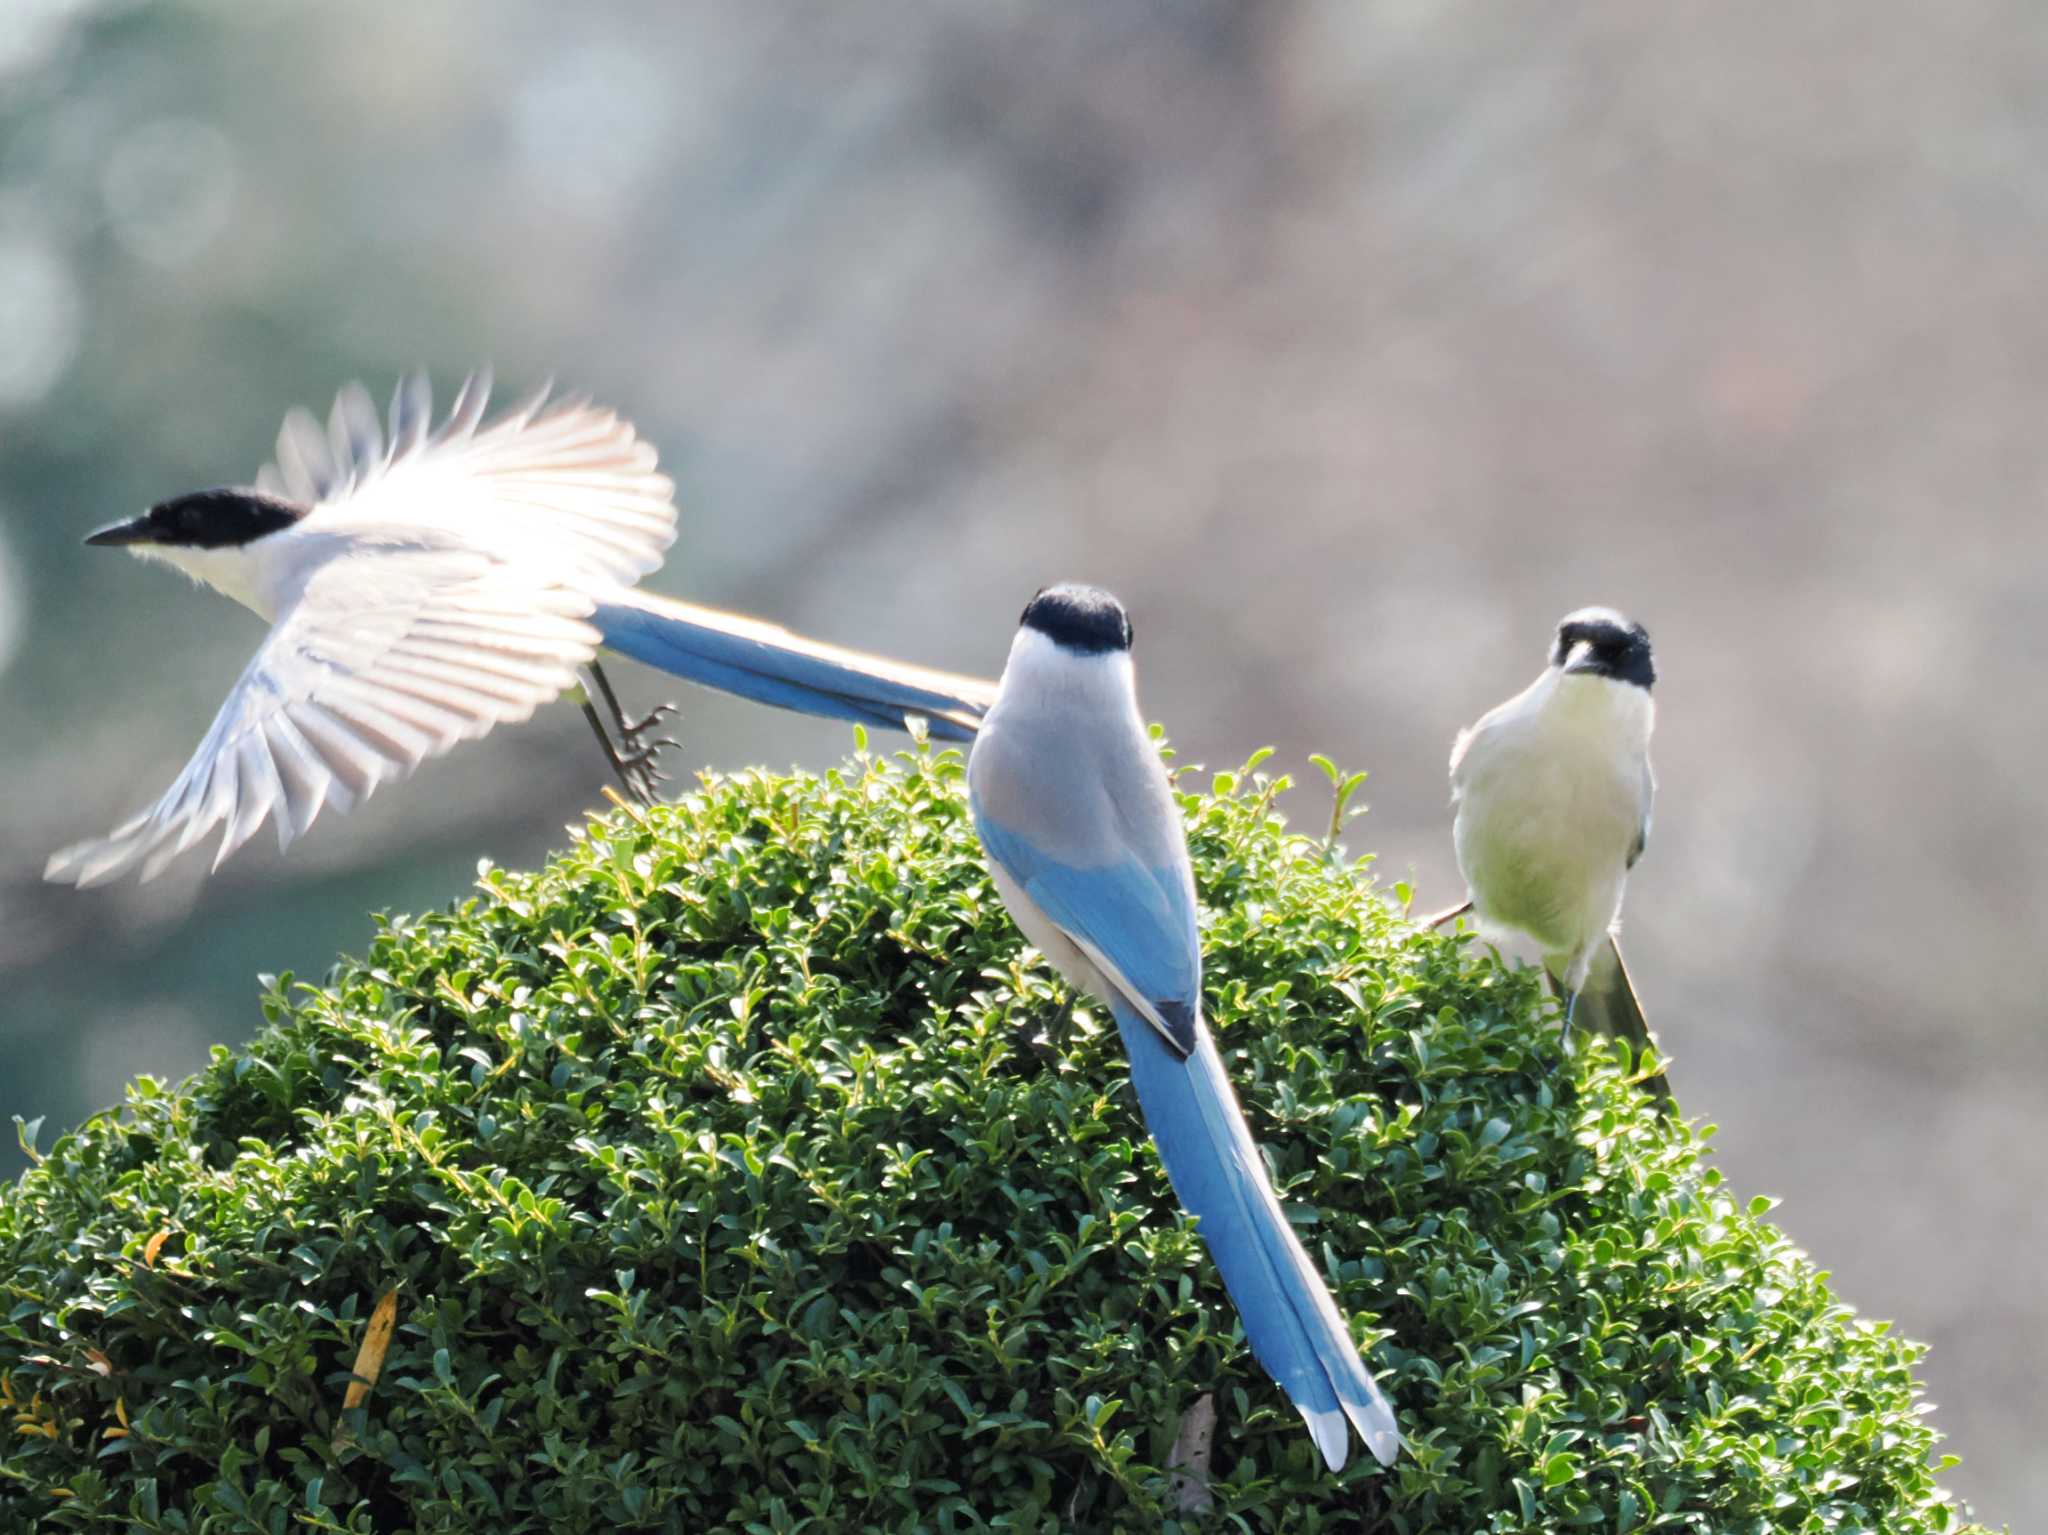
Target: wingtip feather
578,488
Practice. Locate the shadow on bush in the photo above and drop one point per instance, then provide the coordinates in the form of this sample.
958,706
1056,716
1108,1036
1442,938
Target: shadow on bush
734,1172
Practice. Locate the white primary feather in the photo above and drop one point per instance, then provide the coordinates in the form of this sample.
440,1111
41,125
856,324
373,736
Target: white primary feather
440,585
571,485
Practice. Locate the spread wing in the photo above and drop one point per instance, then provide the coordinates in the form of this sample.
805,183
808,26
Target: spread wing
1136,923
383,662
452,571
569,484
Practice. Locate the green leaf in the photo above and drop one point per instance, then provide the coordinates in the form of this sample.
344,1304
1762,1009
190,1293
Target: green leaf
741,1169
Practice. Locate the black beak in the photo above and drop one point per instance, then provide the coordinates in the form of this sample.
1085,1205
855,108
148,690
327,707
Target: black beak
133,531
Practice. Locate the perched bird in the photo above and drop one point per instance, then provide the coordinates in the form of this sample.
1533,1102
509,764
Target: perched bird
425,585
1087,849
1553,792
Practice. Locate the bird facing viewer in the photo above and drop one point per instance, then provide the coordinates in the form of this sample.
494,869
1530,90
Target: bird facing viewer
1553,791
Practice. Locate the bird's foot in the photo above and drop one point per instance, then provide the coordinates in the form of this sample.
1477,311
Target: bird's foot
642,755
636,768
629,745
633,733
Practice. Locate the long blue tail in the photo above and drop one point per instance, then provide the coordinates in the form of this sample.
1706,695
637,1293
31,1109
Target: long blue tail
1289,1317
772,666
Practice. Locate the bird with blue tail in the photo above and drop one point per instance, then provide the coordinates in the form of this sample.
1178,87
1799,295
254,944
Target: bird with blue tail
427,582
1087,850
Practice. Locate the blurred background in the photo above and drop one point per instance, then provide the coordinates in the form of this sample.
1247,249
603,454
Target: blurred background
1351,343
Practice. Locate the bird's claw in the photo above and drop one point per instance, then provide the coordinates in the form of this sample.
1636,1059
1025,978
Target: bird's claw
639,756
630,731
632,755
639,771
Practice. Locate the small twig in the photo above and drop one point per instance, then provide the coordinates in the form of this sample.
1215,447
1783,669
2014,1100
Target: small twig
1445,916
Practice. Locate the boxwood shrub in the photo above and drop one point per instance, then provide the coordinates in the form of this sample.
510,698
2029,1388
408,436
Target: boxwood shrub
738,1172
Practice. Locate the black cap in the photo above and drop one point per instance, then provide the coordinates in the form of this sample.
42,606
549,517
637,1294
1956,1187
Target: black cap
1618,647
206,519
1084,619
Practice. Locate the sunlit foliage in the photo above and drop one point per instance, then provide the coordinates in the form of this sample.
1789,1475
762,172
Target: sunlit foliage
738,1172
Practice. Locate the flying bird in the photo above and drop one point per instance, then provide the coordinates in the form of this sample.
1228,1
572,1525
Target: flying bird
424,583
1553,791
1087,850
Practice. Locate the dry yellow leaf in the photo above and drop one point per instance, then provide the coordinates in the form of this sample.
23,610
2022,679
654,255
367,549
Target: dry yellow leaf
154,1246
370,1357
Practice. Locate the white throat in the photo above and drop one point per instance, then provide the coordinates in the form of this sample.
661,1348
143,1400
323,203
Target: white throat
1043,674
1603,706
238,571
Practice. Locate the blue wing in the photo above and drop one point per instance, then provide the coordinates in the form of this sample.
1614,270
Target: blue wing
1137,923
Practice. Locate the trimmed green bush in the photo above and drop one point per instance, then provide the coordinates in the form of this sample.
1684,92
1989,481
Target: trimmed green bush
735,1172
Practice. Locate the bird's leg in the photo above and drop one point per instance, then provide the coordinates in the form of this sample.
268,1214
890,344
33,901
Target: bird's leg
1447,916
630,775
632,755
1570,999
631,731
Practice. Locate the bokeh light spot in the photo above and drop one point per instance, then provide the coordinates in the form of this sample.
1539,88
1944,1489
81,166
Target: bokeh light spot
592,127
13,603
169,187
39,319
